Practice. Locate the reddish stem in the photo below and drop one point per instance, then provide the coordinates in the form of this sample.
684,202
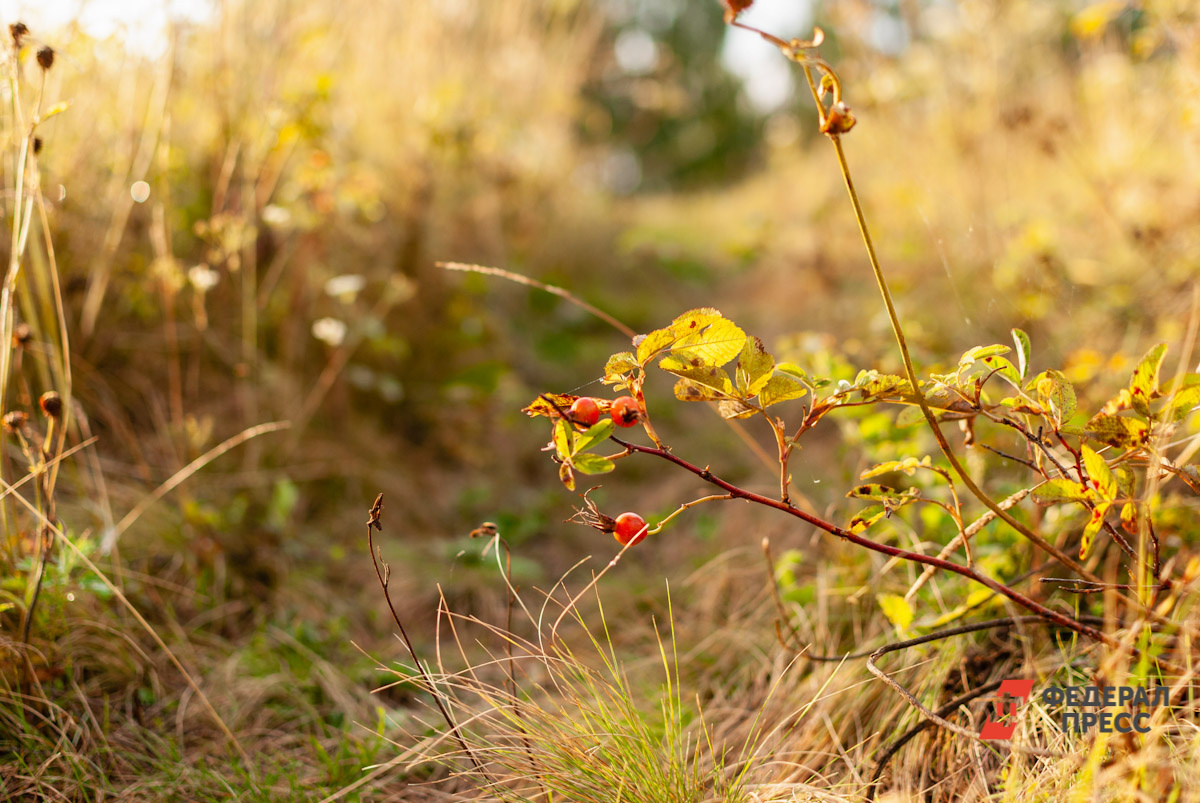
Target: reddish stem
884,549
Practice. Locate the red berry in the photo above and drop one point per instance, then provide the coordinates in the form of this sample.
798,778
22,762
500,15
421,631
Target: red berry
625,411
630,527
585,411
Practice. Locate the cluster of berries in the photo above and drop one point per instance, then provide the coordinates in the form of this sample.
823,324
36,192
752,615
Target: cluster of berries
625,412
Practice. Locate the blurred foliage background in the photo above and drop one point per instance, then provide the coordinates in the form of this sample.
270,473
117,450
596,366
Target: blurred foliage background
305,164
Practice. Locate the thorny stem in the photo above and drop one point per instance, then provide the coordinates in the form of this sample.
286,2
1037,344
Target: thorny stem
884,549
968,572
785,453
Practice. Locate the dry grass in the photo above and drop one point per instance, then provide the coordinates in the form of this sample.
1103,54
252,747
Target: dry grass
1016,174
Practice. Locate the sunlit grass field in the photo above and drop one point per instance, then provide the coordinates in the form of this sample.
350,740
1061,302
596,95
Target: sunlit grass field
225,331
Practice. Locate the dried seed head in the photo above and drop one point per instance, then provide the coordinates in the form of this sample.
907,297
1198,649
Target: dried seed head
485,530
22,335
45,57
14,422
51,404
839,120
735,7
18,31
591,516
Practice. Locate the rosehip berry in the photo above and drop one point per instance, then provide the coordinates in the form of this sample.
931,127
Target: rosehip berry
585,411
630,527
625,411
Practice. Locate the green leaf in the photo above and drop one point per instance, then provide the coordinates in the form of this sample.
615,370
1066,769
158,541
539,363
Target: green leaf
1056,394
1118,431
1103,480
1143,385
890,497
871,490
1019,404
619,366
794,370
978,353
787,383
1184,401
1126,481
1058,490
942,398
1024,351
908,465
592,464
998,366
595,434
897,610
754,368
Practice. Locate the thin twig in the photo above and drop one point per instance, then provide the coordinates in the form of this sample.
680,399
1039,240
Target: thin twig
549,288
384,573
179,477
964,537
945,711
895,552
932,716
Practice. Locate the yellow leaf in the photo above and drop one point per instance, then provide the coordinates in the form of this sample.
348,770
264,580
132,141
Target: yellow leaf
1093,526
908,465
57,108
704,337
1091,21
754,367
1103,480
897,610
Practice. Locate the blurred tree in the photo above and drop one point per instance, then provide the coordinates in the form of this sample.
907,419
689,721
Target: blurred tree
659,105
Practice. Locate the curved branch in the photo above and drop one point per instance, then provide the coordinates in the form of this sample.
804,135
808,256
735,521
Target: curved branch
884,549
